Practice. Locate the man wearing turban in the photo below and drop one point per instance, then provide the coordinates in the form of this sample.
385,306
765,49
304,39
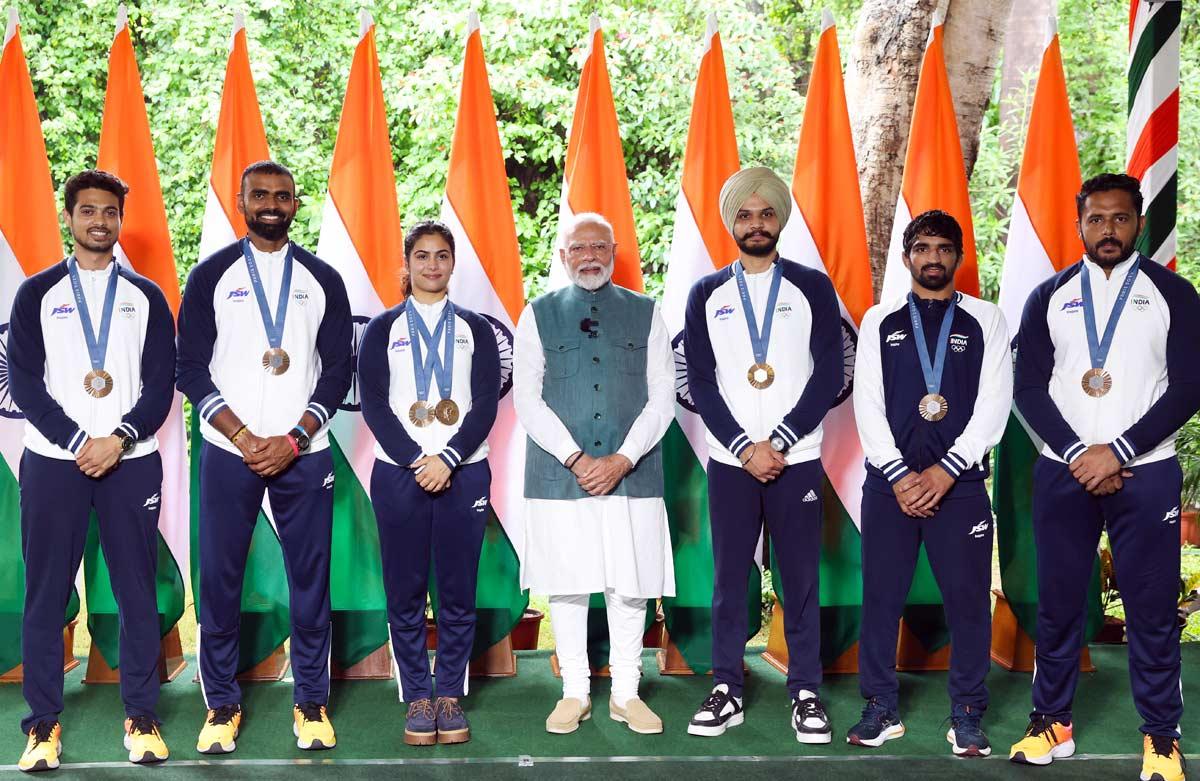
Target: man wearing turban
763,342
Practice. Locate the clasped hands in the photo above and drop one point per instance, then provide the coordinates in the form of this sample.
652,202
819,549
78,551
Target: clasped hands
919,493
764,463
1098,471
598,475
99,456
266,456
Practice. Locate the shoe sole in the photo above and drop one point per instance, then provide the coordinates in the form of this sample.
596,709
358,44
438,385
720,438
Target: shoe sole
969,751
454,736
217,748
420,738
1061,751
315,745
147,758
568,730
42,764
814,738
717,730
639,730
891,733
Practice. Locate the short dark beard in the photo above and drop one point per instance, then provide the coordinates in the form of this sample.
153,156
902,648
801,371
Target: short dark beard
766,250
947,278
269,231
89,244
1126,254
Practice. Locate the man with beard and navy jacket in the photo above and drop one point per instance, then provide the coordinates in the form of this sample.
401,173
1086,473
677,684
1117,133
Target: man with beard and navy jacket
932,394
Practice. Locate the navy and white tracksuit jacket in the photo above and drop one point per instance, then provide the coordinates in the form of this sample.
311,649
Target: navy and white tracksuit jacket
221,343
806,353
417,529
1155,366
47,361
888,385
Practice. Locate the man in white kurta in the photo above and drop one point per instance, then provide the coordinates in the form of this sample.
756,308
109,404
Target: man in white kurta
593,379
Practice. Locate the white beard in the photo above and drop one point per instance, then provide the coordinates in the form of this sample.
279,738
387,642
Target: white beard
590,282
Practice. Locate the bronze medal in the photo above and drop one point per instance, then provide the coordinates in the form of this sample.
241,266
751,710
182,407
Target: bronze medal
1096,382
446,412
276,360
98,383
761,375
933,407
421,414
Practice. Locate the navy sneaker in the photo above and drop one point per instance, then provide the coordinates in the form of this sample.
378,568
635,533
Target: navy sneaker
719,711
420,726
452,726
809,719
965,735
878,724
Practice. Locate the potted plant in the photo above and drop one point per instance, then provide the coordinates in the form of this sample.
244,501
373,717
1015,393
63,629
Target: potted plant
1187,446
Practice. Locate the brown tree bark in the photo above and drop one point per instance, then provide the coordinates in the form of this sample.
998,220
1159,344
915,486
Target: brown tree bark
881,82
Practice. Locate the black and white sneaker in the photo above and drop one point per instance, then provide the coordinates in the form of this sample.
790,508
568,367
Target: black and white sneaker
809,719
720,711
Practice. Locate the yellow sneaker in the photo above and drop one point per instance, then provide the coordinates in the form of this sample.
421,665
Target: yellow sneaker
1045,741
312,727
1161,759
43,748
143,741
220,730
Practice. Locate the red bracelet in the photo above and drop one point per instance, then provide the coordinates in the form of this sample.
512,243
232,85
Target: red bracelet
295,445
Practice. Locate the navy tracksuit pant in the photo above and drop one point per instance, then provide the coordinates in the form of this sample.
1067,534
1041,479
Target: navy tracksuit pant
1143,529
790,505
417,529
56,504
958,540
301,501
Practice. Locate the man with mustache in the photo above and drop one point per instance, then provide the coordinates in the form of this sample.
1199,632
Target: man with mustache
593,378
932,394
1108,369
763,341
90,359
264,356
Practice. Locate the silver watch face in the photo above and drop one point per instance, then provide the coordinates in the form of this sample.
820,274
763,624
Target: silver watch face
777,444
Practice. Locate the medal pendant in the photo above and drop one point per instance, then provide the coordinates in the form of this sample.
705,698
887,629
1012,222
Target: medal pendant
761,375
446,412
276,360
98,383
1096,382
420,414
933,407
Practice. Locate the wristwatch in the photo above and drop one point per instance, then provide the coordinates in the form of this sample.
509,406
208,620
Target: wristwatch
778,444
127,442
302,439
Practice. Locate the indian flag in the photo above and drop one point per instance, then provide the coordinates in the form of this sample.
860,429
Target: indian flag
595,179
240,141
126,150
828,233
1042,240
29,242
361,238
700,246
487,280
934,178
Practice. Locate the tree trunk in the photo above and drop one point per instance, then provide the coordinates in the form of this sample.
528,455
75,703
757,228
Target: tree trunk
1024,41
881,82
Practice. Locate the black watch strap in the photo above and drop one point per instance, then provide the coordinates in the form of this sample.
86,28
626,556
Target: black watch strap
127,441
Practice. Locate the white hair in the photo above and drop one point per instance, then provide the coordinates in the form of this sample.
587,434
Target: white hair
577,221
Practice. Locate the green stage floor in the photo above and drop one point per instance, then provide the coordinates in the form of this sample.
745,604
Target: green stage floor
509,740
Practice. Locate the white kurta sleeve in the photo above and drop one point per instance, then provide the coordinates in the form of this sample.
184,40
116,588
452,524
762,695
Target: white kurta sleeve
992,404
870,412
652,422
529,367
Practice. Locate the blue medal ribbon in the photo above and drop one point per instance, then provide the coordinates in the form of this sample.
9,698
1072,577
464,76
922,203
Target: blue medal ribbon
273,326
97,346
932,370
432,365
759,342
1098,347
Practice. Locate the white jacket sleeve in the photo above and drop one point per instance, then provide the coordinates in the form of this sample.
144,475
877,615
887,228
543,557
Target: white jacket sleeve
993,402
870,412
651,423
529,367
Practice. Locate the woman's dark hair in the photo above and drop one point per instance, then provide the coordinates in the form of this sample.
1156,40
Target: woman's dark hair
422,228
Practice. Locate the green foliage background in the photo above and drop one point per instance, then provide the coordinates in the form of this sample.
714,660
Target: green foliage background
301,52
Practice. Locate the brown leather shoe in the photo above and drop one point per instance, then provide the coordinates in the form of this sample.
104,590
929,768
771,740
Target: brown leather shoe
637,715
567,714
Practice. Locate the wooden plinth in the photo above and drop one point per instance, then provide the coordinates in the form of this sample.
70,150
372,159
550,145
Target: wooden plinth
912,656
1012,647
273,668
17,674
170,662
776,654
376,666
499,661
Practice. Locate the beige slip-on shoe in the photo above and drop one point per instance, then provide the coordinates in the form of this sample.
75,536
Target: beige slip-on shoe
567,714
637,715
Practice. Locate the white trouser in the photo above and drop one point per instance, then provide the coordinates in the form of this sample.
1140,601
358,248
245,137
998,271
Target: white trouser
626,625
